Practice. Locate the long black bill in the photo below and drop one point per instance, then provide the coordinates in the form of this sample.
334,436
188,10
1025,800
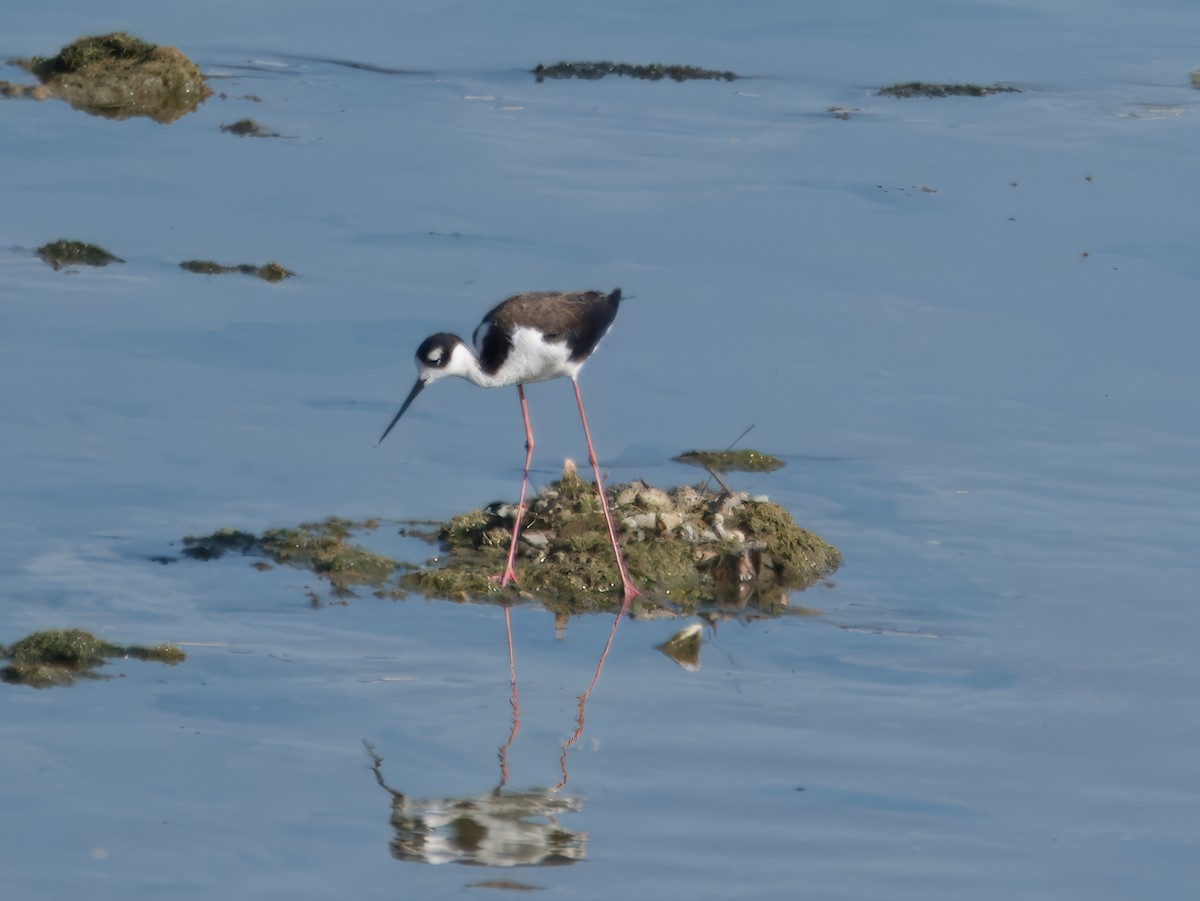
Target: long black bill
411,397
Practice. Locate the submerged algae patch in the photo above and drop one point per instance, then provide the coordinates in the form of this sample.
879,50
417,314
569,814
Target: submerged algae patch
591,71
321,547
929,89
731,460
62,656
248,128
271,272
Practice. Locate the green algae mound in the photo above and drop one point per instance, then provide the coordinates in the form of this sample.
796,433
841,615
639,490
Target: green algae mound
62,253
118,76
688,549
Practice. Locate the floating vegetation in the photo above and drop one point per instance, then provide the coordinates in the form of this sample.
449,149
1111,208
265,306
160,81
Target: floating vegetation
75,253
927,89
321,547
731,460
248,128
654,72
118,76
271,272
61,656
220,543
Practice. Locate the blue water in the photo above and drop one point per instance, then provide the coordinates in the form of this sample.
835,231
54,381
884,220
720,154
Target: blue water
984,391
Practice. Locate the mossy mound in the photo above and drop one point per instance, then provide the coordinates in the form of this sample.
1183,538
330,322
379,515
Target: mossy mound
591,71
75,253
928,89
118,75
61,656
686,549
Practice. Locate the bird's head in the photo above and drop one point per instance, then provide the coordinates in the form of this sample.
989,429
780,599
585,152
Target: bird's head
438,356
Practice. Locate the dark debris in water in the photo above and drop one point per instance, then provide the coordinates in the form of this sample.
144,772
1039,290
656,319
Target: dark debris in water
271,272
591,71
62,656
117,76
75,253
248,128
927,89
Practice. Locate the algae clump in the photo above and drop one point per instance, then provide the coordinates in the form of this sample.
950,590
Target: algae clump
321,547
731,460
928,89
117,76
591,71
62,253
61,656
271,272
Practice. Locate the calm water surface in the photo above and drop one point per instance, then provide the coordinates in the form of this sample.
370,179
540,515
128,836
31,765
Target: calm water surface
967,324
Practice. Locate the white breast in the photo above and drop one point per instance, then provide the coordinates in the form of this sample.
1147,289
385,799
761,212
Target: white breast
533,359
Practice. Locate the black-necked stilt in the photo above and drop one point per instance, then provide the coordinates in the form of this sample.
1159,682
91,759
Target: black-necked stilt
527,338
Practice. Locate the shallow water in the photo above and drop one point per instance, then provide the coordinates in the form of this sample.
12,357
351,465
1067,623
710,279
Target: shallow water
998,431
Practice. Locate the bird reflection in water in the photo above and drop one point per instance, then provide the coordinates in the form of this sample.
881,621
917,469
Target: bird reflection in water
500,828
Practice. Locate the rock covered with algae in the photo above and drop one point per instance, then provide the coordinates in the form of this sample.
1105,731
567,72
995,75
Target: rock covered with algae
62,656
117,76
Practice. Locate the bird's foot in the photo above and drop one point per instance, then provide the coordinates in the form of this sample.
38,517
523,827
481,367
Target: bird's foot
509,575
631,592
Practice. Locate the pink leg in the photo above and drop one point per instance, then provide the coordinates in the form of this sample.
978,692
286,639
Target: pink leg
626,582
510,574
